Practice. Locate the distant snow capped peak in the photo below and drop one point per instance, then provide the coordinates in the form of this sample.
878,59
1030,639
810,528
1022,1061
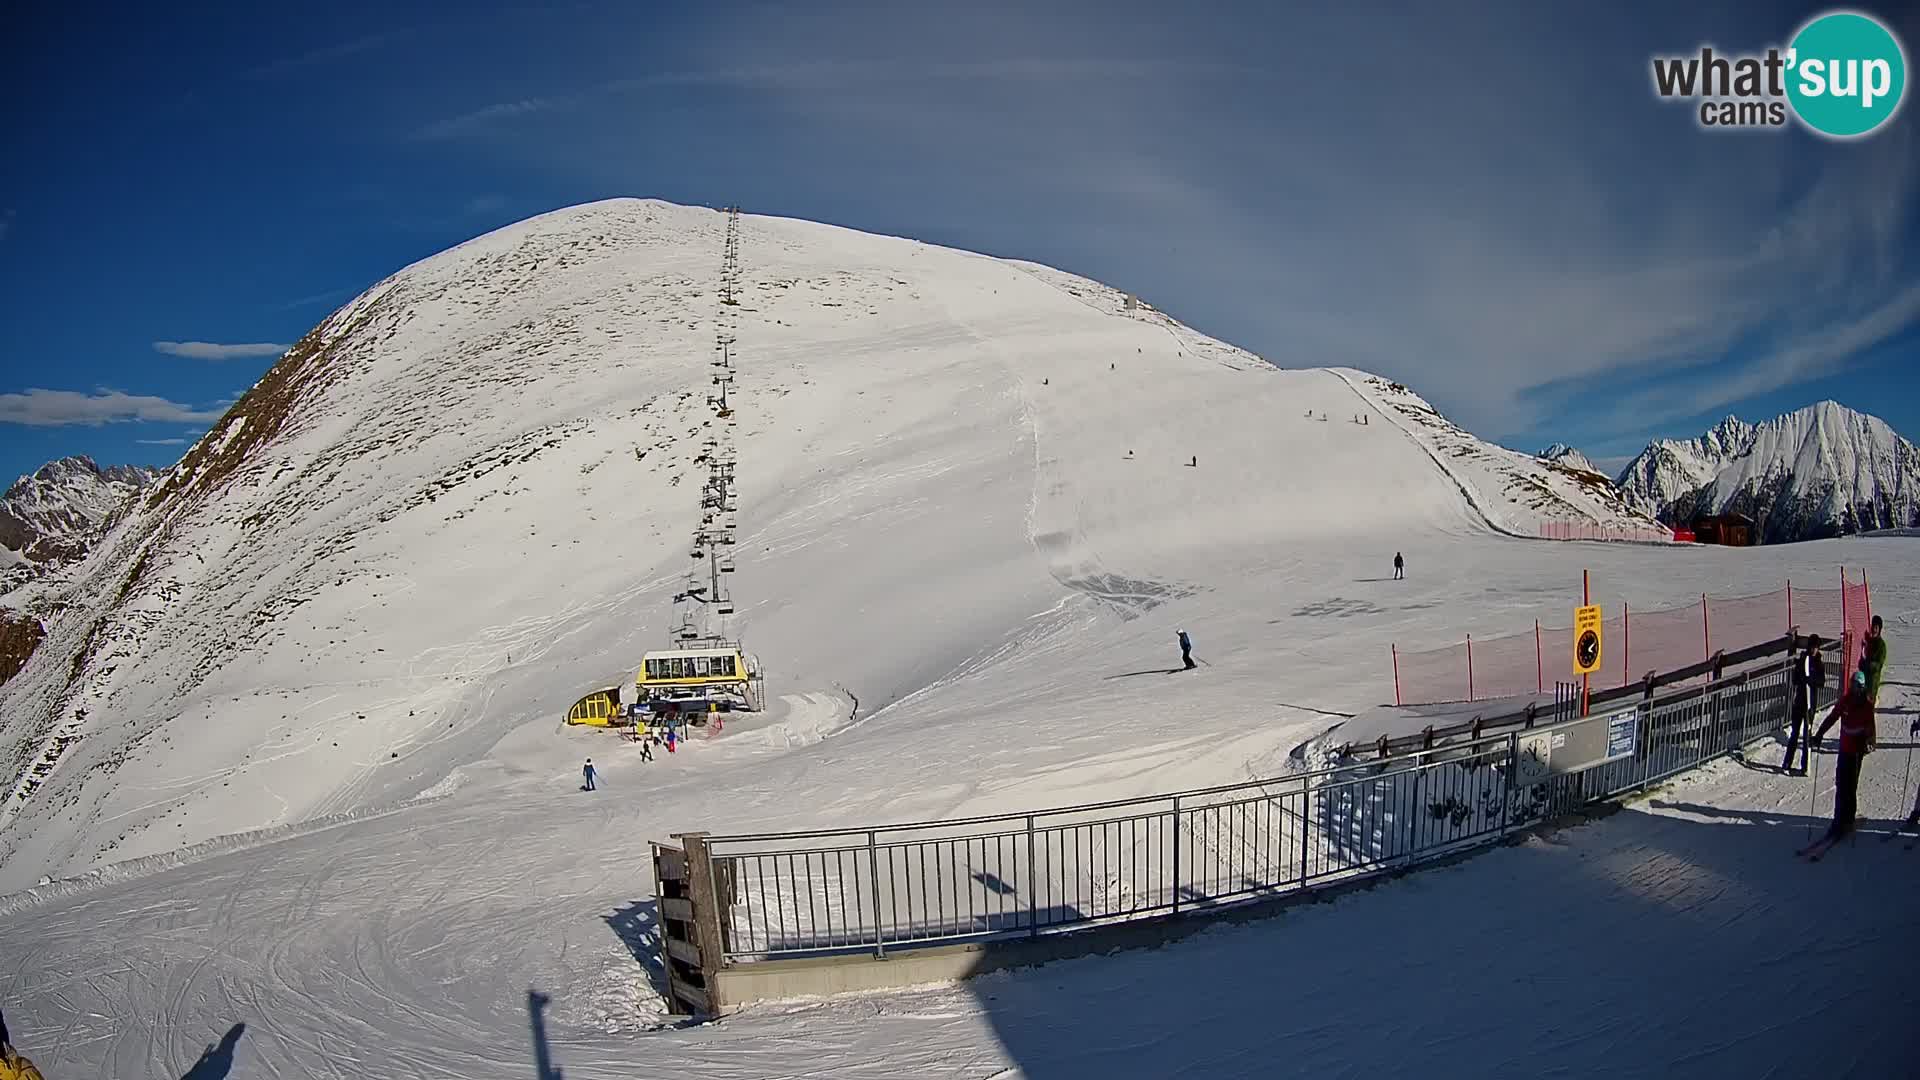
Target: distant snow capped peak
1567,456
1822,470
49,514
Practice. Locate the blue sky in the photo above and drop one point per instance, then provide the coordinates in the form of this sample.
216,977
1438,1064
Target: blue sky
1485,202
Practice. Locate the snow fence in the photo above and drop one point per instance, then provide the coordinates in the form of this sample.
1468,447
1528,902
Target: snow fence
1636,642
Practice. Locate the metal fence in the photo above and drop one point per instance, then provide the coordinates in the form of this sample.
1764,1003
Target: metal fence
783,895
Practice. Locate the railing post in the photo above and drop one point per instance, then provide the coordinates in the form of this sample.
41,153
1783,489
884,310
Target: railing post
1789,605
704,898
1175,872
1513,773
1033,893
1626,644
873,865
1306,816
1539,662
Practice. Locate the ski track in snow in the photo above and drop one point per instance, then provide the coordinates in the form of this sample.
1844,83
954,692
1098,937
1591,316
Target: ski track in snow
940,520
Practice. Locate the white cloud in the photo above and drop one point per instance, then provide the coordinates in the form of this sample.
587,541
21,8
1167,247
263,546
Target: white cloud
69,408
206,350
324,54
481,119
161,442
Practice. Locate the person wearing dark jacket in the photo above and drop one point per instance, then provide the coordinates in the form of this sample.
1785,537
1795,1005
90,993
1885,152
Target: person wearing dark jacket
1809,677
1186,650
587,772
1399,567
1854,711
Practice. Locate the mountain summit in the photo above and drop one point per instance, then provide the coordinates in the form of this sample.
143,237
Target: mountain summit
49,514
1825,470
1562,454
466,498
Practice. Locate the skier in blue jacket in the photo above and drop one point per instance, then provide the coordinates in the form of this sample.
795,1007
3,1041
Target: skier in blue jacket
1186,650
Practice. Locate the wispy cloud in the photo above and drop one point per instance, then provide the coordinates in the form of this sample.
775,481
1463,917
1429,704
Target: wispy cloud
488,117
161,442
207,350
71,408
325,54
309,301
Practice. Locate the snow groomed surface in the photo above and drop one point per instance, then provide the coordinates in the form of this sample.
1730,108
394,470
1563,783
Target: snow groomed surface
979,497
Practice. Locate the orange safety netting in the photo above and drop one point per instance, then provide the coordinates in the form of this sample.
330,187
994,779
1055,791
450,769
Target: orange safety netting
1636,642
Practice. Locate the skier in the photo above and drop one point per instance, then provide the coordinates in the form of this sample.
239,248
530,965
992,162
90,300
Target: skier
646,748
1399,567
587,771
14,1064
1809,677
1873,658
1186,650
672,737
1854,711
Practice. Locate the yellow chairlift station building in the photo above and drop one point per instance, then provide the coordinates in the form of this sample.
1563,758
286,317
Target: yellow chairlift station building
598,709
719,673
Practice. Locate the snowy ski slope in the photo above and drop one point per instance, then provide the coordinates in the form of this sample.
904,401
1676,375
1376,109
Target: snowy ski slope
463,501
321,780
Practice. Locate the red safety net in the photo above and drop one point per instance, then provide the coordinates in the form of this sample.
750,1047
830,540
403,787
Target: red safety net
1635,642
1857,600
1589,530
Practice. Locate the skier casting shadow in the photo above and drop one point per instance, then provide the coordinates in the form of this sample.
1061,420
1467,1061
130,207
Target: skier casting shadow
1186,652
217,1061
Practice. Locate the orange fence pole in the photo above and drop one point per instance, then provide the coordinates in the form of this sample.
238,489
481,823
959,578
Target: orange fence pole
1539,662
1396,673
1470,696
1706,626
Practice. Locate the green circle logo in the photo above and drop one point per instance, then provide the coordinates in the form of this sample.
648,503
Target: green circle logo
1846,74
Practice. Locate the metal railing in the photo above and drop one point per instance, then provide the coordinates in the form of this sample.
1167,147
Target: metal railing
793,894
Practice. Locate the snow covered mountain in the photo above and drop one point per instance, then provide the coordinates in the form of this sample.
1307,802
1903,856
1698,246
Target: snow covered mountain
291,748
50,518
51,513
1821,471
1562,454
465,498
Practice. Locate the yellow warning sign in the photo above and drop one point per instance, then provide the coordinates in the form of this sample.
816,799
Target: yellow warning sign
1586,639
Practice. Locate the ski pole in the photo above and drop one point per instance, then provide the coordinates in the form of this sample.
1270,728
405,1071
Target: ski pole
1813,797
1904,778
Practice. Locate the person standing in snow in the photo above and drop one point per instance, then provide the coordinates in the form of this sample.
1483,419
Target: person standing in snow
1873,658
1399,567
646,748
1186,650
1854,711
672,737
1809,676
588,772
